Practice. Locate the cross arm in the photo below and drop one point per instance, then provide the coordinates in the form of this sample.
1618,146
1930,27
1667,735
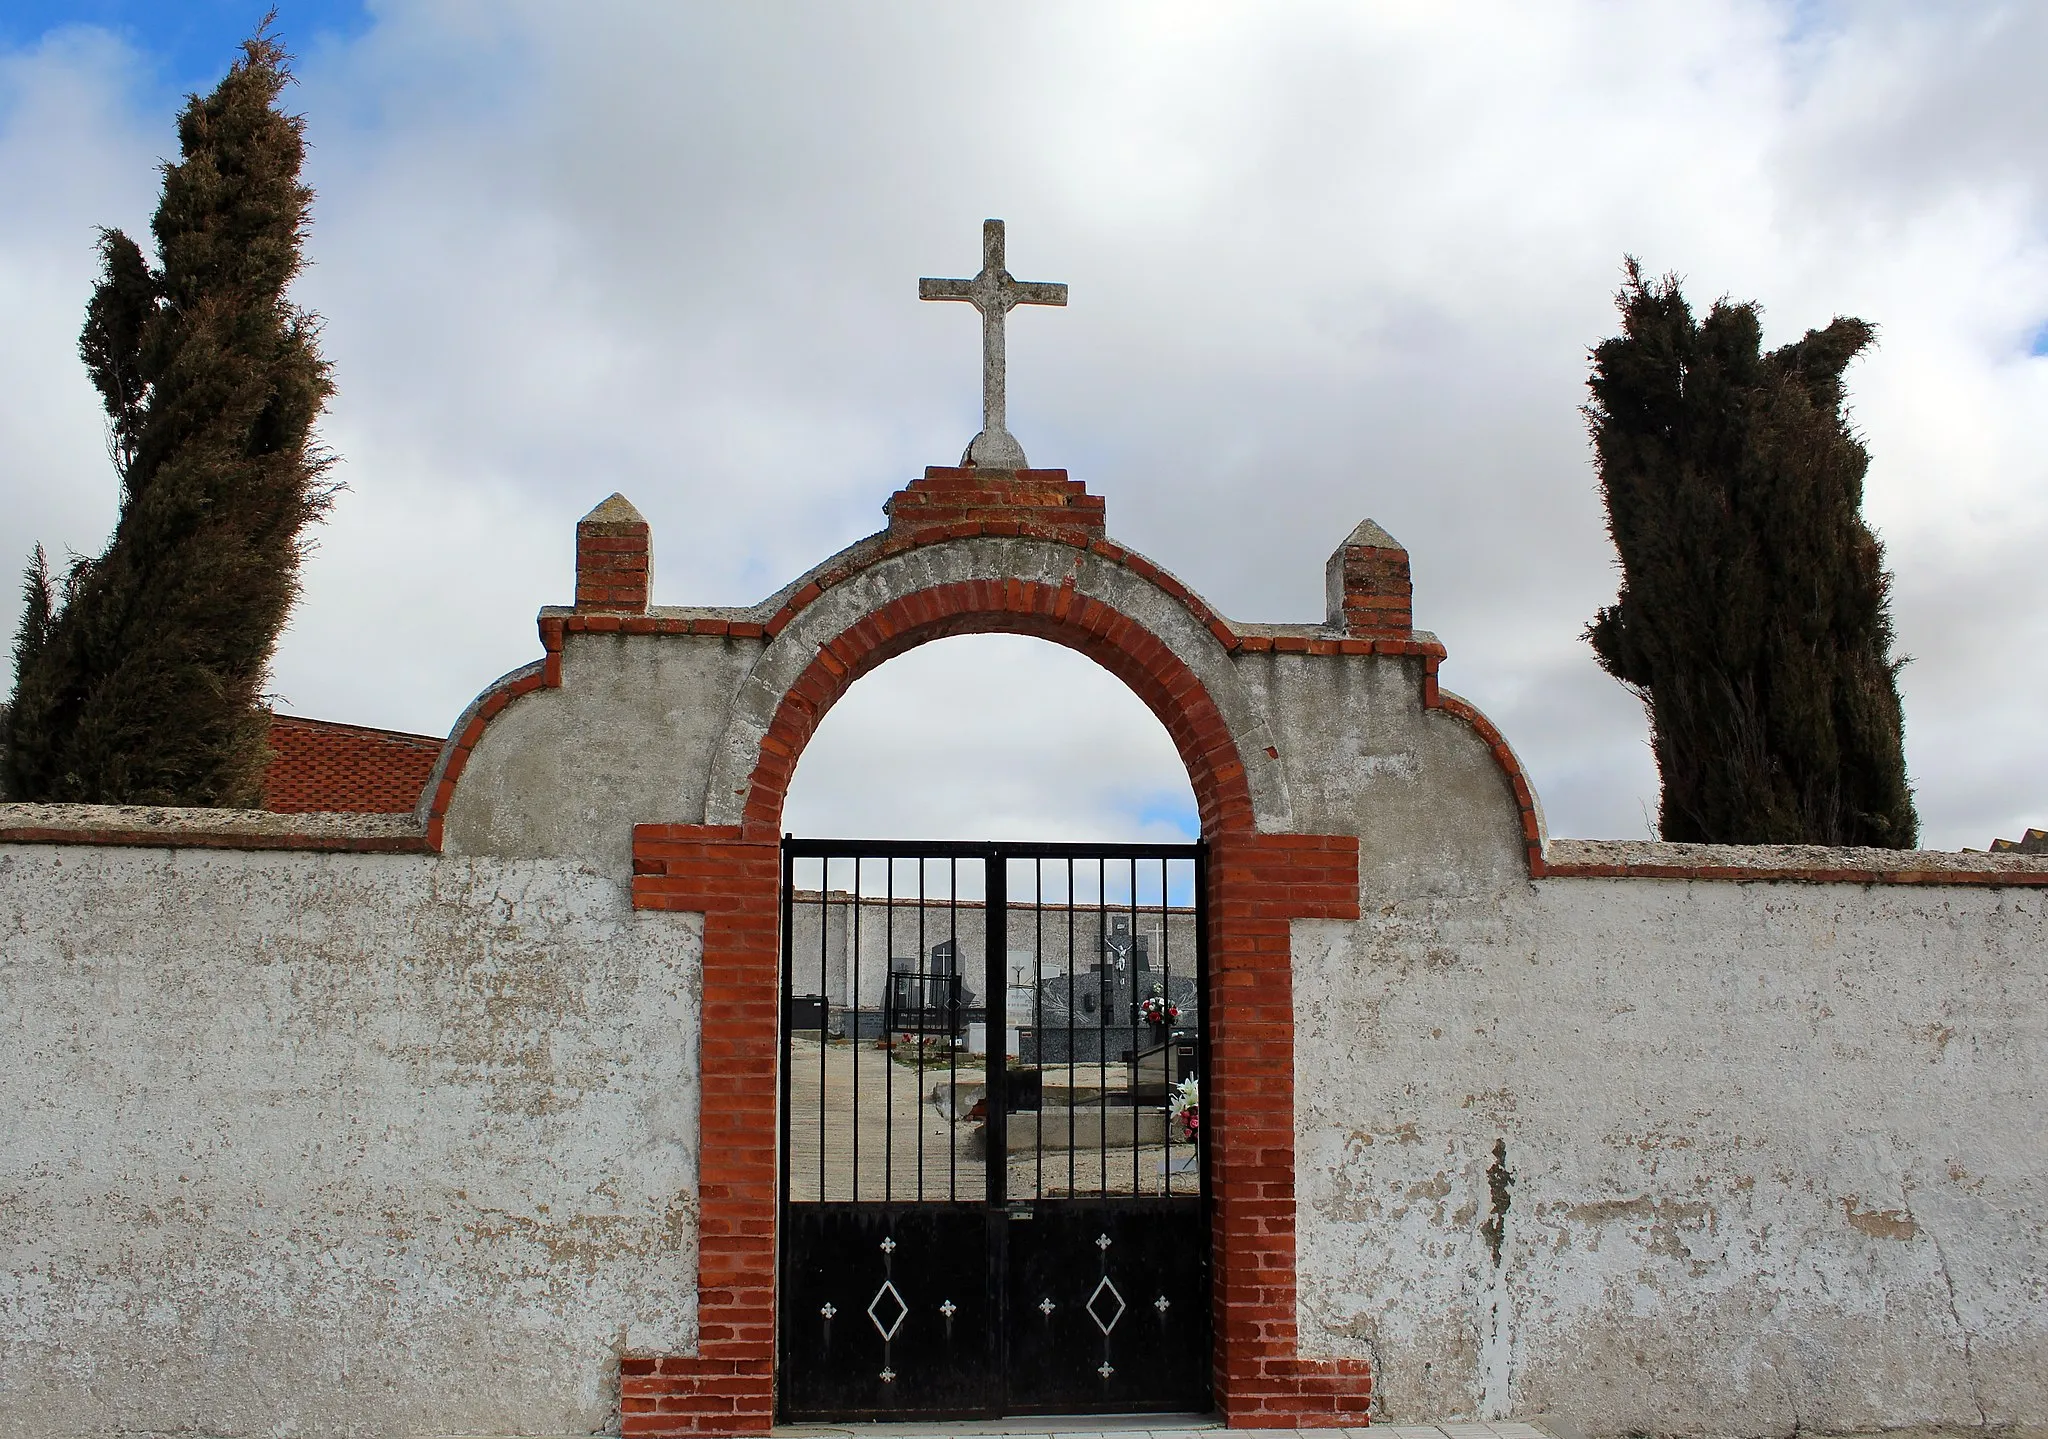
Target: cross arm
1035,292
946,290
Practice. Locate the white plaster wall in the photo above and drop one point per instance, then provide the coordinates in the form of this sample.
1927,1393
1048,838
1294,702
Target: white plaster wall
1431,809
1778,1153
566,773
304,1144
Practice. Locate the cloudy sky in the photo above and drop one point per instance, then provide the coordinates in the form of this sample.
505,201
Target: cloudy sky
1327,261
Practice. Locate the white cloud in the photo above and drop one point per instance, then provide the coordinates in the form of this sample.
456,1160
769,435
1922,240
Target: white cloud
1346,259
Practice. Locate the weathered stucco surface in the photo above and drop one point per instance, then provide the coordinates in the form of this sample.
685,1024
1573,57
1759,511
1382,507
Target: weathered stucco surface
337,1144
566,773
1755,1157
1776,1153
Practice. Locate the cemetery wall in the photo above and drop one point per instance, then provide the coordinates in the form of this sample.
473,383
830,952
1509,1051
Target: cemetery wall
1690,1156
390,1124
1751,1148
336,1143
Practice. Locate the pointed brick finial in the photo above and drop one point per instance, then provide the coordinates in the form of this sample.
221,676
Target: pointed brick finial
1367,585
614,559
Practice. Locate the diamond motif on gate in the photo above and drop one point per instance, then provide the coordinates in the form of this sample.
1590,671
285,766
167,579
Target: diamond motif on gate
1105,1287
896,1305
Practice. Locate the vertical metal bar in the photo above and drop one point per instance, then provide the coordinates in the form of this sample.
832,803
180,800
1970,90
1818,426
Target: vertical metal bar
995,925
889,1054
824,1026
1102,989
953,1022
853,961
1038,1022
924,999
1166,982
1070,1027
995,899
1136,1185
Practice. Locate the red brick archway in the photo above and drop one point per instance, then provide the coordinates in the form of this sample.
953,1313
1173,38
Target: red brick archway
1258,883
1153,672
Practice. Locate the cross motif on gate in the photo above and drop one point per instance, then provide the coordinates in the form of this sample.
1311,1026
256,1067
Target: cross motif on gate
995,293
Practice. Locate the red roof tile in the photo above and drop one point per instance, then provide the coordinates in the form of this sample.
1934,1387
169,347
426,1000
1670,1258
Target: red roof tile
320,766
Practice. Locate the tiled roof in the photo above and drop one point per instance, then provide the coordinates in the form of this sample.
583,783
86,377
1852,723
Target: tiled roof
323,767
2035,841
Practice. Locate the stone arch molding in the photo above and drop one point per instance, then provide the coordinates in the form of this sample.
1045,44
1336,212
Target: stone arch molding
1019,585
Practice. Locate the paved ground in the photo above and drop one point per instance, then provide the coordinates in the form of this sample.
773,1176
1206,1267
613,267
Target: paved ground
1141,1426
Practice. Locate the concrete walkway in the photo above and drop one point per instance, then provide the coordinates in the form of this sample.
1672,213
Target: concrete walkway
1161,1426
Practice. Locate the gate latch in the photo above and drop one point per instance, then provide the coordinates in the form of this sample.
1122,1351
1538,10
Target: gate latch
1019,1208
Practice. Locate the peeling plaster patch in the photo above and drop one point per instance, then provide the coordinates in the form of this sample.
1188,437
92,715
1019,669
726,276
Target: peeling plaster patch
1496,1358
1607,1211
1500,1184
1879,1223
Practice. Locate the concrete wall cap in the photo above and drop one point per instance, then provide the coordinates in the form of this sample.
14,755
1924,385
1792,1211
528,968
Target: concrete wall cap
180,826
1369,535
615,510
1765,859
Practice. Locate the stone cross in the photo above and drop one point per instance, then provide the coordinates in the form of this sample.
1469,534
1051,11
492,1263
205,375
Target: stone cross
995,294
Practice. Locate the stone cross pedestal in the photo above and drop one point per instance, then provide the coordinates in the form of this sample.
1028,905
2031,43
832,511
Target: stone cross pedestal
995,294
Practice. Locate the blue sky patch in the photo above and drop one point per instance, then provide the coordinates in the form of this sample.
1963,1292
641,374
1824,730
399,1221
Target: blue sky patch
190,42
1179,813
2040,345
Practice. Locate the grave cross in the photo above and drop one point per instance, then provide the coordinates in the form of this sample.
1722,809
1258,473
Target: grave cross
995,294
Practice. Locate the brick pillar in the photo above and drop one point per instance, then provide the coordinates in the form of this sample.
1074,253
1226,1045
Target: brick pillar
1367,585
614,559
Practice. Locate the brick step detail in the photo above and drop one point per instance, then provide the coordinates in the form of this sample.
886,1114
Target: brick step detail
1045,498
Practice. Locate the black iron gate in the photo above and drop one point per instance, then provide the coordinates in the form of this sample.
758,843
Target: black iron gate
993,1193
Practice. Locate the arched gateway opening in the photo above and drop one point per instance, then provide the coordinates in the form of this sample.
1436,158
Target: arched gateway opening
992,1192
1021,552
1013,1229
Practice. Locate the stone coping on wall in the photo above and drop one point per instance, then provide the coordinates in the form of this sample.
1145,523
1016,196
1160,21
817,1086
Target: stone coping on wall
175,828
1807,863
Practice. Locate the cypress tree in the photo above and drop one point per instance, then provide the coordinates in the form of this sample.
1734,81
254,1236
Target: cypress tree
139,674
1753,619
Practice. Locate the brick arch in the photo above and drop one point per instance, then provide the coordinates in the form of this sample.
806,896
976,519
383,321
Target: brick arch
1258,884
1161,680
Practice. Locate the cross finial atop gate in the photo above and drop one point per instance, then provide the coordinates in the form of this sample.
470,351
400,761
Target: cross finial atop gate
995,294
